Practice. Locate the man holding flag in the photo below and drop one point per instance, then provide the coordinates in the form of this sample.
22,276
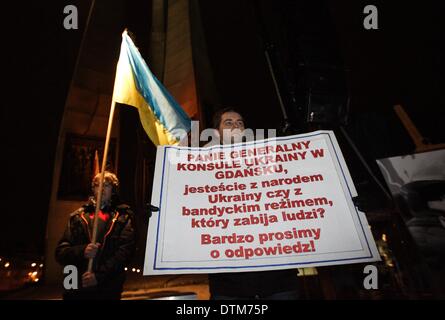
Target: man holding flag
100,239
112,250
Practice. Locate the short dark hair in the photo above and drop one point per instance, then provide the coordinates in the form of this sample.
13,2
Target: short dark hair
109,177
216,120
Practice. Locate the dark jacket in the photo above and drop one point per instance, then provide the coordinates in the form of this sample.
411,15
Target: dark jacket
117,248
251,285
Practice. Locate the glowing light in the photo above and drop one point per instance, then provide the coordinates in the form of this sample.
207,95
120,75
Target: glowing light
134,269
36,280
384,237
125,268
302,272
138,270
33,264
7,264
29,273
41,265
34,273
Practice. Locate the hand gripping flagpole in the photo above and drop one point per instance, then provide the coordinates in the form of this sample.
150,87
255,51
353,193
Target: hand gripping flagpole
101,181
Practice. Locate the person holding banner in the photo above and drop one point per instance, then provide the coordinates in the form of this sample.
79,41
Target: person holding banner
113,249
267,285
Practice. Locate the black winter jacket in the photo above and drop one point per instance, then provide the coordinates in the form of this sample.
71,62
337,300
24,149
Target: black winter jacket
249,285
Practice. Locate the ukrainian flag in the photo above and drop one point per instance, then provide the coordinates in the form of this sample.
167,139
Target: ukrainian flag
161,116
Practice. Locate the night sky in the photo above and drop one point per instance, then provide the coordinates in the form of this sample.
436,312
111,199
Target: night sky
401,62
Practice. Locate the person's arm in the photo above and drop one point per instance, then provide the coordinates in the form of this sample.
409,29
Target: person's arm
123,254
67,252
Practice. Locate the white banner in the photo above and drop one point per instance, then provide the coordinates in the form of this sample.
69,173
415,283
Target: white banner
273,204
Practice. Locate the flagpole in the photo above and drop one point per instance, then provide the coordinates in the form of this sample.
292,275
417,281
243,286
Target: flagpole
101,181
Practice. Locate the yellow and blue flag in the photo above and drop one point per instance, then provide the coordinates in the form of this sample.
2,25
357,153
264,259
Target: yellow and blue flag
162,118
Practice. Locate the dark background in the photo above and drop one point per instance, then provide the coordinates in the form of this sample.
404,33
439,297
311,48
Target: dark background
400,63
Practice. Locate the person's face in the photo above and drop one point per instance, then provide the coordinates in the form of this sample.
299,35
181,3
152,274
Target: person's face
106,192
231,122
